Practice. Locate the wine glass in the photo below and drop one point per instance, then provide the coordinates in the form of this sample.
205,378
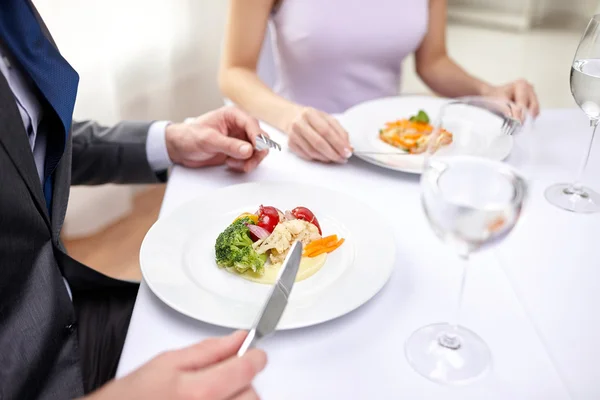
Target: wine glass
585,87
472,196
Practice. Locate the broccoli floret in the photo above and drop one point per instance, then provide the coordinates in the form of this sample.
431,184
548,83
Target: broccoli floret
233,248
247,259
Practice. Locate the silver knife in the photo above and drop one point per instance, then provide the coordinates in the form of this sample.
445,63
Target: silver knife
381,153
269,316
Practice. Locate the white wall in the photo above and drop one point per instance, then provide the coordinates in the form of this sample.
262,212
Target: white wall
137,59
580,8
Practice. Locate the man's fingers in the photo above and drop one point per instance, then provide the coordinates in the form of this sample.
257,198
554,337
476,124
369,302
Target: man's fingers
241,124
248,394
224,380
247,165
209,351
253,162
218,159
215,142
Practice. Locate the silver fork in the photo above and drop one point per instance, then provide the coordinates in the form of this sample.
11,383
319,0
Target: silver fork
510,125
263,142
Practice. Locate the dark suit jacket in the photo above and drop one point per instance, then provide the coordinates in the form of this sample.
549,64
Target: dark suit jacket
38,340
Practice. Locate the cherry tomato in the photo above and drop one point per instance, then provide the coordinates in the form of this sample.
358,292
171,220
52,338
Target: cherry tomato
268,218
307,215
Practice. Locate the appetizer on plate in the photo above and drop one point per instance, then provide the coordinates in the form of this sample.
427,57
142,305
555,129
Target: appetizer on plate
255,245
412,135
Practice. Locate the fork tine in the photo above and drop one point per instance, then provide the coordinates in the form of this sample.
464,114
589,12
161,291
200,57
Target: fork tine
270,143
274,144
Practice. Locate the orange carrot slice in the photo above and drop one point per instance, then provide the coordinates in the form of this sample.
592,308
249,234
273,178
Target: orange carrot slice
333,247
325,249
321,242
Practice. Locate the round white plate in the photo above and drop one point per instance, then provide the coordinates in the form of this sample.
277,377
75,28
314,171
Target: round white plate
178,264
364,121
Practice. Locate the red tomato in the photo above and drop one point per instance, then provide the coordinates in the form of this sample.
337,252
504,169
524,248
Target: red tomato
268,218
307,215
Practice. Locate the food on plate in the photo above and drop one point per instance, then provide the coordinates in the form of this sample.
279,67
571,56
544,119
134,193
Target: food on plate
323,245
306,215
413,135
234,248
255,245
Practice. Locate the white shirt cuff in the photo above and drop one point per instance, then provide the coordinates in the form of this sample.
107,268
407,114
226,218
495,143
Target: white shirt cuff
156,146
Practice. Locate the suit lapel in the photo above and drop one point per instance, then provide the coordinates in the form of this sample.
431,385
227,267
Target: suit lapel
62,185
62,173
14,140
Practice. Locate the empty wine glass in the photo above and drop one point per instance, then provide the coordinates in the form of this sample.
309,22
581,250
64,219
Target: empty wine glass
585,87
472,197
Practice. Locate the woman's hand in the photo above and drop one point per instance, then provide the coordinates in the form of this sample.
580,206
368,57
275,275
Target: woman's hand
520,92
315,135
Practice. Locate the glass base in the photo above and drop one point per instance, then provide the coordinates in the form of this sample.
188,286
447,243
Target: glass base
579,200
447,354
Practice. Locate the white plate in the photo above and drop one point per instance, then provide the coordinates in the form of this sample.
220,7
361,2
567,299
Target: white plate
364,121
178,264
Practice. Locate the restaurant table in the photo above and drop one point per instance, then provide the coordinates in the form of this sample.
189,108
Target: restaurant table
533,299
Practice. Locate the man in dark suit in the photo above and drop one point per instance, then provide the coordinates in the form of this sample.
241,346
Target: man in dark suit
62,325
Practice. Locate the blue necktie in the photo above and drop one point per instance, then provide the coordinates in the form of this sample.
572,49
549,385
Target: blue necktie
54,77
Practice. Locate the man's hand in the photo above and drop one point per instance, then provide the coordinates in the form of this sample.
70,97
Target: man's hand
209,370
226,135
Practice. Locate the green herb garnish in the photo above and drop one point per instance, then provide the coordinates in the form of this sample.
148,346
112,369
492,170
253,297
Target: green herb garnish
421,117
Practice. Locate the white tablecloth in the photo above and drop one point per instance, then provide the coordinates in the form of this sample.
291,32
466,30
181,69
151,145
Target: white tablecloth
533,299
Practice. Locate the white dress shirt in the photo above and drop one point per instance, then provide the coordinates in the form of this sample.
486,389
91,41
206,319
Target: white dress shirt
31,114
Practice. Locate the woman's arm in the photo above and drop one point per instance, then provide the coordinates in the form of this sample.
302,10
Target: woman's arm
238,79
447,78
313,134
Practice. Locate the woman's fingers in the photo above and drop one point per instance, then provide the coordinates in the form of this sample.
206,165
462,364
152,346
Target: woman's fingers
313,136
337,138
300,145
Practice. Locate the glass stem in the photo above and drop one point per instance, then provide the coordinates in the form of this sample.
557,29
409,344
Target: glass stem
451,339
576,188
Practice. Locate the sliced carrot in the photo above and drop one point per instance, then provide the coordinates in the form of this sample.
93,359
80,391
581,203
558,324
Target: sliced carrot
326,249
333,247
321,242
313,252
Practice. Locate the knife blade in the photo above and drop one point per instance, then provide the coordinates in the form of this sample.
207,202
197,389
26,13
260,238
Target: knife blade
269,316
381,153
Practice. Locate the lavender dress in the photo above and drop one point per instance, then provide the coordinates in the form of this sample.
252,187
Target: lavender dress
333,54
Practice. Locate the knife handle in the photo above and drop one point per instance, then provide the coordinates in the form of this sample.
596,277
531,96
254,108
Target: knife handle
249,343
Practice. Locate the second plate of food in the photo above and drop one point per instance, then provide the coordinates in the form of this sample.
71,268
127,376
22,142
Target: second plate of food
215,257
392,132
